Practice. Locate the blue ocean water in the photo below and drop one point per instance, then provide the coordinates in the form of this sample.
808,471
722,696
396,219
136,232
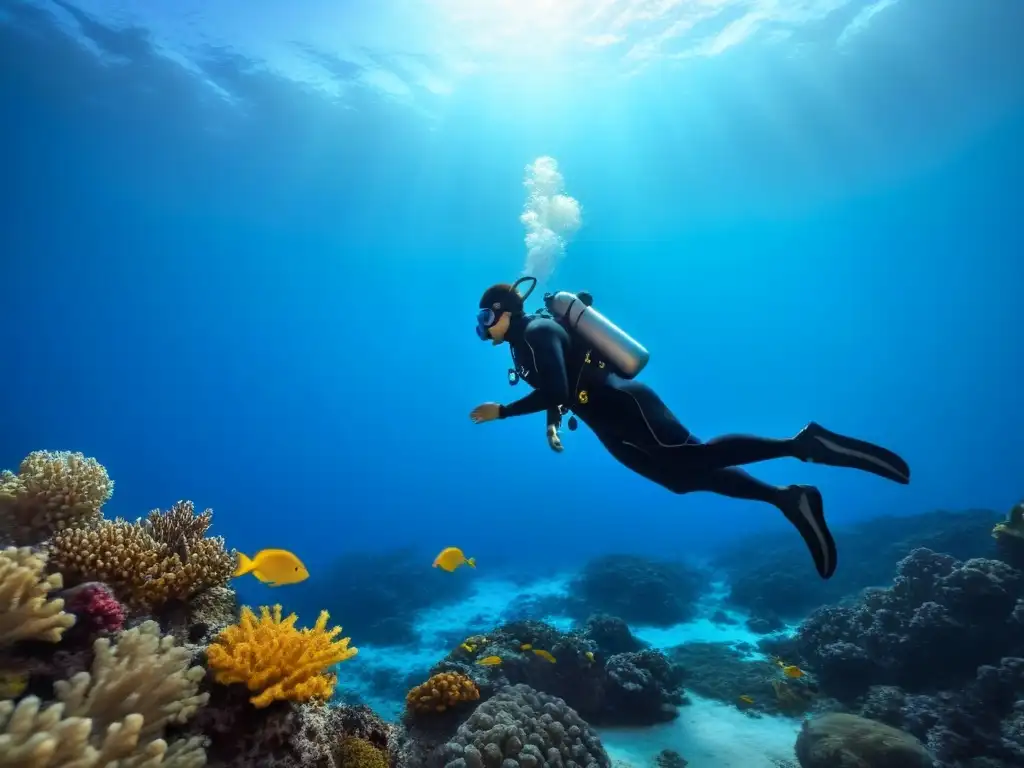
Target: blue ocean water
243,248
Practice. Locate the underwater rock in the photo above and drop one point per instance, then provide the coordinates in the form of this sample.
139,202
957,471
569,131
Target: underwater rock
768,575
642,688
765,624
840,740
611,635
934,626
638,590
669,758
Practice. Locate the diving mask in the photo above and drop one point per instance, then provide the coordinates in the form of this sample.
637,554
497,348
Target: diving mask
486,317
485,320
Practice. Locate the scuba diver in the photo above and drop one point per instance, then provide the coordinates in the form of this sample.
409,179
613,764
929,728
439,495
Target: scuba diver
577,360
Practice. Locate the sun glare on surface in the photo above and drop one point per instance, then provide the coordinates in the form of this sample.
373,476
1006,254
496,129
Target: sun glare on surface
518,29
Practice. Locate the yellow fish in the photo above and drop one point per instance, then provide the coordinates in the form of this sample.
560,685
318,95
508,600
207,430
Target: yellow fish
544,655
792,672
273,567
589,655
746,700
451,558
12,683
490,661
467,647
525,647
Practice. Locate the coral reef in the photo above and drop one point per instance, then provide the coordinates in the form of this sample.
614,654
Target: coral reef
934,626
840,740
441,692
276,661
638,590
939,654
521,727
985,717
26,610
724,672
611,635
117,711
768,575
51,492
634,688
1009,536
146,563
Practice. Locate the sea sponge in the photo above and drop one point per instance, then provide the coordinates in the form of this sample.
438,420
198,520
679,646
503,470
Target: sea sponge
275,660
359,753
146,563
116,712
442,691
26,612
52,491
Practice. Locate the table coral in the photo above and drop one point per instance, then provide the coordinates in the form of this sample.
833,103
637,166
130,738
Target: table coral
146,563
52,491
275,660
442,691
26,611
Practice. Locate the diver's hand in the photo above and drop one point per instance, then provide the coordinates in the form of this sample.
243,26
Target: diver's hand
554,440
485,412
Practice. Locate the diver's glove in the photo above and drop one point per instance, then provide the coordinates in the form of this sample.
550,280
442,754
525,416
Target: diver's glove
554,440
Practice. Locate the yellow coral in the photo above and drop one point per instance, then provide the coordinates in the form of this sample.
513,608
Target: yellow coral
149,562
51,492
26,612
277,661
442,691
359,753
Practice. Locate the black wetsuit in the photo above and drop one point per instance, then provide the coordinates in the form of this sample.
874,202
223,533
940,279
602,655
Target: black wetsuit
629,418
639,430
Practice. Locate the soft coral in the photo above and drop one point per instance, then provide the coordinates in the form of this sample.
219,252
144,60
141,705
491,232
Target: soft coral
95,606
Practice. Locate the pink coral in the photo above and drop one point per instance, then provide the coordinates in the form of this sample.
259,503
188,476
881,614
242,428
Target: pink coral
95,606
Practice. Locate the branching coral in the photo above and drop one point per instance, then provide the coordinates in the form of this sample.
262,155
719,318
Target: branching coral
26,612
149,562
50,493
275,660
442,691
113,716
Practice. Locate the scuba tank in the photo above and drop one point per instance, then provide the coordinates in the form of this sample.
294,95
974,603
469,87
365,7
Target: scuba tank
624,353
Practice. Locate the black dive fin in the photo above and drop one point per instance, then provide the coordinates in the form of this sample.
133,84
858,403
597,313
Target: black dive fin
820,446
806,511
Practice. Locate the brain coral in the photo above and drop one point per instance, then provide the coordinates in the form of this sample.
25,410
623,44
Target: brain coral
519,727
